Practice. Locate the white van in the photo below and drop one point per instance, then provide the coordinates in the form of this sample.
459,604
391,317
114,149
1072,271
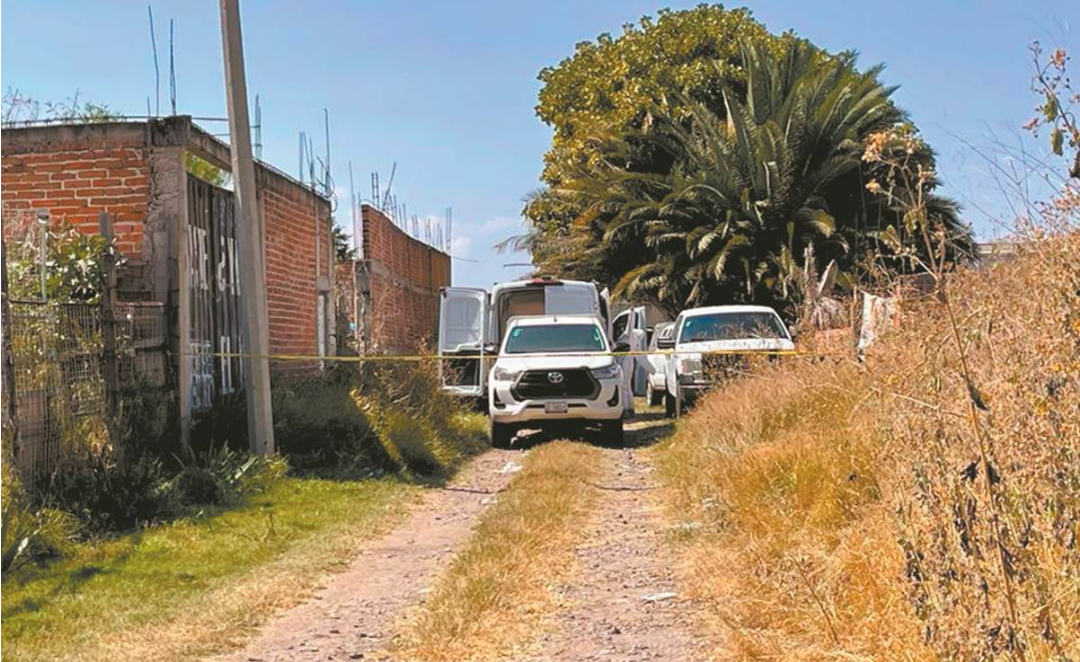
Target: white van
473,323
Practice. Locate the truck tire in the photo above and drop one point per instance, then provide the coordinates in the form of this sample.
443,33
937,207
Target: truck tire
669,405
502,434
612,432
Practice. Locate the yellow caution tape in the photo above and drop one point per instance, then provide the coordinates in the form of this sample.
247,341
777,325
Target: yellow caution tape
437,357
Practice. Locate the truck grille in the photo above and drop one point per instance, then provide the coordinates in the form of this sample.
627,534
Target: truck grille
576,383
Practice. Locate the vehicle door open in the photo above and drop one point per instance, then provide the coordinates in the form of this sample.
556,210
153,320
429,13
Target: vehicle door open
462,320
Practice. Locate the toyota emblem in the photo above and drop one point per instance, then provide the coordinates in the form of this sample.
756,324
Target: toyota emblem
555,377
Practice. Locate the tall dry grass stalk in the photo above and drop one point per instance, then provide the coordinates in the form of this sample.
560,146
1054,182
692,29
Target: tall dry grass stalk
921,505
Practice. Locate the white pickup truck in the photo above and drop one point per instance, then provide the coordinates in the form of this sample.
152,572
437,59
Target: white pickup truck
553,369
708,340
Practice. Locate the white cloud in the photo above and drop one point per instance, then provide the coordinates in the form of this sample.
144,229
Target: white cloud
461,247
508,224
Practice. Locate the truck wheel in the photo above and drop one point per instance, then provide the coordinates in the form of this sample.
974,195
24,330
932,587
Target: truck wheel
612,432
502,435
669,405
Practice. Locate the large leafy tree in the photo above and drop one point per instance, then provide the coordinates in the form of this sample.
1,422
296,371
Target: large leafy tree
716,199
614,85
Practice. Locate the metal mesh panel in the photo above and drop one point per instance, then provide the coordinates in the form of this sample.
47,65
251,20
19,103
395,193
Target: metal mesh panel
57,355
140,343
59,373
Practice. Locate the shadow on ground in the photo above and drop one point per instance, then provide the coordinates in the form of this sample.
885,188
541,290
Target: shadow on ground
649,426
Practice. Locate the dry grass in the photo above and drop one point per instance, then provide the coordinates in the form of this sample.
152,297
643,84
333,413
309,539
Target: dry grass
837,509
498,591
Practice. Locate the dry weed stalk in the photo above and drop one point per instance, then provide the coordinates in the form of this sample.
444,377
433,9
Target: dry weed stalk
929,497
905,181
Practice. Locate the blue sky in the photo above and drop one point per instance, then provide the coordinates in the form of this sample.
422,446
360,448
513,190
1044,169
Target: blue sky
447,90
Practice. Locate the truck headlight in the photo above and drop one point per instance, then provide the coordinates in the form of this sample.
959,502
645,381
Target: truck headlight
504,374
610,371
689,369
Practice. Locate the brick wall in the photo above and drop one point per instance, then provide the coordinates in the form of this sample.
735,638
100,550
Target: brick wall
297,223
403,280
135,171
76,178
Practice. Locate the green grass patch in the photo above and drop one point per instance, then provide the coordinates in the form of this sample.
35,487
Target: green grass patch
196,585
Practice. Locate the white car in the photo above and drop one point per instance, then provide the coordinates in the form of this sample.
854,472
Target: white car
556,369
708,341
662,341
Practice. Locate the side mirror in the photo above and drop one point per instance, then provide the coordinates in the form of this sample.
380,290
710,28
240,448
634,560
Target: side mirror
622,347
791,331
491,348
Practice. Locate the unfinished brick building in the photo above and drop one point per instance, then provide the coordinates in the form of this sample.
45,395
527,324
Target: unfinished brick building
391,293
178,235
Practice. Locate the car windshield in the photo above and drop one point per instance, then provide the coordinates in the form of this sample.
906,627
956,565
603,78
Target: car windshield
731,326
540,338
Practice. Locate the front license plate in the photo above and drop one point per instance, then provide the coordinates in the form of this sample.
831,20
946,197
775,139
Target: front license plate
554,407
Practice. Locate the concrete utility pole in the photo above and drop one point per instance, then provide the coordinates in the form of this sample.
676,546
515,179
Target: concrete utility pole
253,318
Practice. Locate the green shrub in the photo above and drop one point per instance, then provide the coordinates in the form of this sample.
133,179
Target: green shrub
109,492
223,425
435,419
404,437
74,262
30,535
224,477
319,427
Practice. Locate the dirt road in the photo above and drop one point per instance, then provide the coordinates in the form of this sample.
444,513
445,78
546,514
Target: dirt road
621,604
354,613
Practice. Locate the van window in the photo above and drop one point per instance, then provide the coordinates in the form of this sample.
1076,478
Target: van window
464,319
519,302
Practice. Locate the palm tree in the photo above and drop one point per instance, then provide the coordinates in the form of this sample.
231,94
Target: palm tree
715,207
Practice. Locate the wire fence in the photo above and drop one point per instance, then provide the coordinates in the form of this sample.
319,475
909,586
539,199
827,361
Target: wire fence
62,394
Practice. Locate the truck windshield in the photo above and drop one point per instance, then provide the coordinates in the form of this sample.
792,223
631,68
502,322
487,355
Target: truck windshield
546,338
732,326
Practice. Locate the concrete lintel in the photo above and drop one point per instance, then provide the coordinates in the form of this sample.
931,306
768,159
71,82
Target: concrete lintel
209,148
161,132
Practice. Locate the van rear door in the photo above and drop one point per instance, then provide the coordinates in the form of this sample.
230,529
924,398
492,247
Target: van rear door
462,319
605,310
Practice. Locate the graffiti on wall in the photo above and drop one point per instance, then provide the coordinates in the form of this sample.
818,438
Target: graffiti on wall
214,286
